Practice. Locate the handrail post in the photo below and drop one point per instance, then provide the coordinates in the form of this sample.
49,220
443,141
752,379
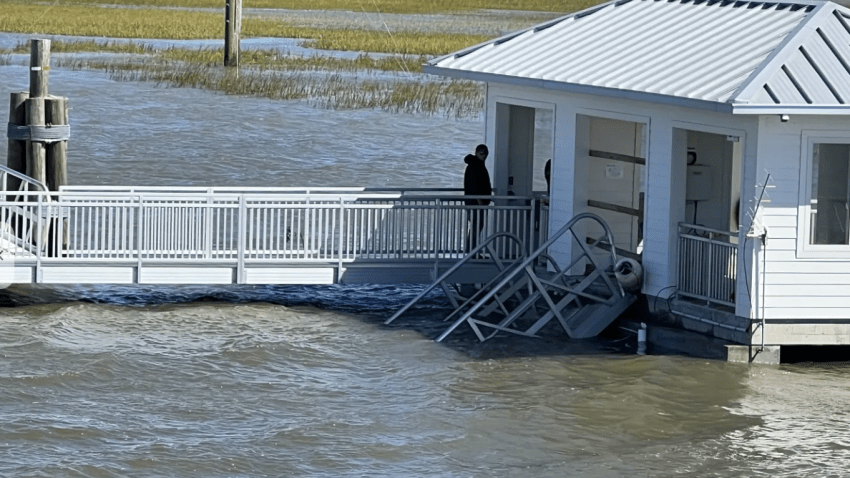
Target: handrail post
535,224
709,284
240,257
139,238
208,226
342,240
38,240
438,217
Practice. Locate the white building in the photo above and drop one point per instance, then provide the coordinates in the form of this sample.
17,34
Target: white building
697,129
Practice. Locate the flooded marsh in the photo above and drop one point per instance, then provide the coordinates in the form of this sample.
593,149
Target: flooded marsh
252,381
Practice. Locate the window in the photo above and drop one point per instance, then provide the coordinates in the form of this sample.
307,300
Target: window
824,213
830,194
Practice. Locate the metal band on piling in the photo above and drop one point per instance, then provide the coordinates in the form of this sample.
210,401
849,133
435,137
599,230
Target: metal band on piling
47,134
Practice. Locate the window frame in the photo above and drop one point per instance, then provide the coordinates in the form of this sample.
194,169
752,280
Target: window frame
805,249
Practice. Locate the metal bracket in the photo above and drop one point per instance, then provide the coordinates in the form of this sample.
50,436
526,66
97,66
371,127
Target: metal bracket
47,134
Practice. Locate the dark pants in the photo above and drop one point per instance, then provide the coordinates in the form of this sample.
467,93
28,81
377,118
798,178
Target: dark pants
476,225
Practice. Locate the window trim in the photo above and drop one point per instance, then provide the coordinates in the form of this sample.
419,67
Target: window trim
805,249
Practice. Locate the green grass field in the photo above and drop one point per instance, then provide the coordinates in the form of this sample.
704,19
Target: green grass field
184,25
385,6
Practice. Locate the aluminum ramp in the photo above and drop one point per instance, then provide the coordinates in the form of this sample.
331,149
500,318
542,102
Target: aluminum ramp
525,297
448,282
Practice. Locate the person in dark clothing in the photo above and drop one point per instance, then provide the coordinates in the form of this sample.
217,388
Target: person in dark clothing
476,182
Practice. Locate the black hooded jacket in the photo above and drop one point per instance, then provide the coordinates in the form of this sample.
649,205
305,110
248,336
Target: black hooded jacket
476,181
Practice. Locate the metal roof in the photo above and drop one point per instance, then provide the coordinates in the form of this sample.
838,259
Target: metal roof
738,56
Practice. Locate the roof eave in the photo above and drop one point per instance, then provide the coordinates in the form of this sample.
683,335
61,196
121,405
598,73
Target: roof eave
791,109
640,96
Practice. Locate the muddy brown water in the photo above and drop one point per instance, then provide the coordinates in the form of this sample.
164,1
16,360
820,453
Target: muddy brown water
305,381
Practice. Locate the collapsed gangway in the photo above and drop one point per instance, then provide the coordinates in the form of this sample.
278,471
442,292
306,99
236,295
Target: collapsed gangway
528,292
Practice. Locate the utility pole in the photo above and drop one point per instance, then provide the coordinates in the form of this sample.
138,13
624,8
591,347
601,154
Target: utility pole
232,31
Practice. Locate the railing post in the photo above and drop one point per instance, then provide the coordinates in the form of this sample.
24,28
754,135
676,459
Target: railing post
438,228
208,226
709,254
535,225
139,239
243,223
340,268
38,239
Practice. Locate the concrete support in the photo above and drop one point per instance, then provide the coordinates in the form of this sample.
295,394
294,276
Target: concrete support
752,354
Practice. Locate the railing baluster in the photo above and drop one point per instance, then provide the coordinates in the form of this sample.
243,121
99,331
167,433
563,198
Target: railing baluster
707,265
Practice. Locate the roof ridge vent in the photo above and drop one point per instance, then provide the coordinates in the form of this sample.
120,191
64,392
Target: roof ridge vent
796,84
508,38
551,24
590,11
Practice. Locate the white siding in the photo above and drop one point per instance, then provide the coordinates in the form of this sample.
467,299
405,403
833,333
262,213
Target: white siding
795,287
665,206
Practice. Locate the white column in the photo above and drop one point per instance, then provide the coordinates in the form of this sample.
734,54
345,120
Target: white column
665,205
568,175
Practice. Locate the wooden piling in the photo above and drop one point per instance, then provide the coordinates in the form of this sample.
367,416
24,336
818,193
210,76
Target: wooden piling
57,153
16,157
37,150
232,32
57,170
39,67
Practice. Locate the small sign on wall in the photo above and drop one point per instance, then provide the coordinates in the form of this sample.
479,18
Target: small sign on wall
614,171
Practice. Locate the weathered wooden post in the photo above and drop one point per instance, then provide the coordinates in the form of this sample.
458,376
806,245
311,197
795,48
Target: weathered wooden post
16,157
56,110
39,67
38,128
36,150
232,31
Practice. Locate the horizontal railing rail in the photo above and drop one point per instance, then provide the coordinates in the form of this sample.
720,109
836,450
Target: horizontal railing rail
708,264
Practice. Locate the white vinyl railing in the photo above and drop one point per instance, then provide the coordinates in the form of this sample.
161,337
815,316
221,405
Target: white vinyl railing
238,224
708,264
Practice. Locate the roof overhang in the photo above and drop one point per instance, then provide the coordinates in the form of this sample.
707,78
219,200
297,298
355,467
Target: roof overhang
640,96
823,110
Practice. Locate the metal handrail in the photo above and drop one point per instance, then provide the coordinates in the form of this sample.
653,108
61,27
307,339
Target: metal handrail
710,277
22,177
454,268
255,190
107,225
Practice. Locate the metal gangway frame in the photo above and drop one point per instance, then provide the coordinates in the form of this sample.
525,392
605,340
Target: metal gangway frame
29,225
538,286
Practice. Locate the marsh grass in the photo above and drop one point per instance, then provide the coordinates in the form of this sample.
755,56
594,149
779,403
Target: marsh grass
333,90
406,43
187,25
268,59
59,46
110,22
385,6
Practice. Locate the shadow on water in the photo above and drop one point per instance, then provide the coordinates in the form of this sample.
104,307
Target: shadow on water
370,304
